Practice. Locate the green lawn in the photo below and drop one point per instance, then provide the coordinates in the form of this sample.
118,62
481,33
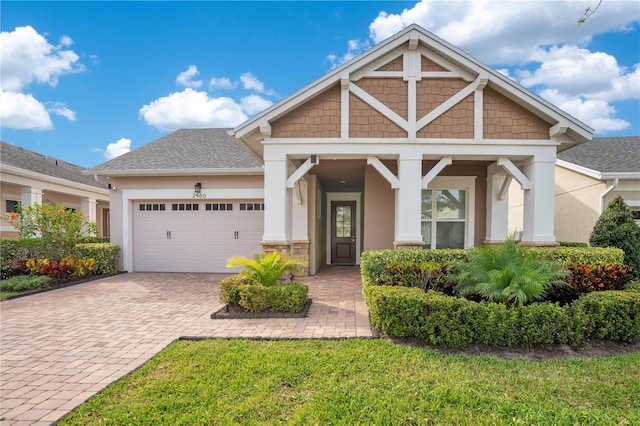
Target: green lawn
372,382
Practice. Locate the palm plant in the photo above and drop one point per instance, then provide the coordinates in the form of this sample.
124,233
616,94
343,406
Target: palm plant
508,274
265,268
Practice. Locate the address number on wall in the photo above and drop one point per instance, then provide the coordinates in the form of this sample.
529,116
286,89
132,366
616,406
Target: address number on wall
199,195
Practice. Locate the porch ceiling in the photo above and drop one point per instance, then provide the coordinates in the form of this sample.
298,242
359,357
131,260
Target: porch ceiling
337,174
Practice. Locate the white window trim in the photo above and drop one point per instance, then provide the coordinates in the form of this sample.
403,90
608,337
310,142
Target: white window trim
468,184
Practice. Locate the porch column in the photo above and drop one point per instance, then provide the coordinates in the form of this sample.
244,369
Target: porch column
276,201
30,196
88,207
539,203
408,202
497,207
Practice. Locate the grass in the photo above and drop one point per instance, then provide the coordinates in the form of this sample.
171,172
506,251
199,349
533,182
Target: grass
348,382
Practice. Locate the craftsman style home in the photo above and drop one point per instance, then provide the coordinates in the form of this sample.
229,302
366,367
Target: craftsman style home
412,144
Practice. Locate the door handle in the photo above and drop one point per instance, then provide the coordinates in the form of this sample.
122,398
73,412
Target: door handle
168,235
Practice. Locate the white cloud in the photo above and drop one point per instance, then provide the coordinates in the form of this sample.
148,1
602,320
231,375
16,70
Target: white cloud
116,149
596,113
26,57
20,111
251,82
185,78
189,109
222,83
59,108
354,48
253,104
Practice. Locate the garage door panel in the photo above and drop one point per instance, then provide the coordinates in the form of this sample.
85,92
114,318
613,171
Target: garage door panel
200,239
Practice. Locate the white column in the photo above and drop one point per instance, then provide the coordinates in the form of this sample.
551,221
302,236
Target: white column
409,199
276,201
30,196
539,207
88,207
299,211
497,209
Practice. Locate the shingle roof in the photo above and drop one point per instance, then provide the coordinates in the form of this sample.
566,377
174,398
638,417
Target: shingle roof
12,155
182,150
606,155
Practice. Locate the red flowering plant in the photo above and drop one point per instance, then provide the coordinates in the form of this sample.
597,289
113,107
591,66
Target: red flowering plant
51,231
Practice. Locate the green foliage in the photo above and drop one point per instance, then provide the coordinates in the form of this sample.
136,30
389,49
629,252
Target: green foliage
592,255
288,298
24,283
634,287
52,229
572,244
585,278
610,315
617,228
449,321
426,275
507,274
92,240
373,263
10,252
104,254
229,288
266,268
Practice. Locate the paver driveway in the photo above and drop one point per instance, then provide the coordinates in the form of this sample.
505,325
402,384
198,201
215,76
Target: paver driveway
61,347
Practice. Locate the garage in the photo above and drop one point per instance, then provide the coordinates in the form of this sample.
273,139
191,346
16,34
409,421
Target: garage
194,235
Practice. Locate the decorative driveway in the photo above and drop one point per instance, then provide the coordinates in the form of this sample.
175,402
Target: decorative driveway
59,348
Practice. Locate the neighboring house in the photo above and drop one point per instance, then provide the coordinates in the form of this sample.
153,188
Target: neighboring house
29,177
411,144
588,177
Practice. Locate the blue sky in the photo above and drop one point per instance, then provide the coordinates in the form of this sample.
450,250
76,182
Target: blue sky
85,81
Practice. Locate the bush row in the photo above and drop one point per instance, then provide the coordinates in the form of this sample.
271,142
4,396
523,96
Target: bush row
105,255
247,293
24,283
373,263
449,321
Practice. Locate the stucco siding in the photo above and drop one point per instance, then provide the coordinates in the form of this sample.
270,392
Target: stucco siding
504,119
316,118
379,214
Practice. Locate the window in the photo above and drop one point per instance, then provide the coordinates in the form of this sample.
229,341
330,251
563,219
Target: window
251,206
447,212
343,221
185,207
11,206
152,207
218,206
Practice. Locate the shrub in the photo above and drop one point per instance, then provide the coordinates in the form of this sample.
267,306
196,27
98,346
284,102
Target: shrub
424,275
80,267
278,298
58,270
448,321
585,278
609,315
229,288
105,256
10,252
579,254
24,283
507,274
92,240
372,263
572,244
266,268
616,228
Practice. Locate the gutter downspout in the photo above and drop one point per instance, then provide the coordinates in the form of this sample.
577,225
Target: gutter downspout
613,186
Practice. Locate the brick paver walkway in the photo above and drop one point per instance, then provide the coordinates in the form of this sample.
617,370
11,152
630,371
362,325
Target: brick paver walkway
59,348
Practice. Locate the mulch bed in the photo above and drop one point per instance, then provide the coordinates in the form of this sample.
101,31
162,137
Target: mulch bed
237,312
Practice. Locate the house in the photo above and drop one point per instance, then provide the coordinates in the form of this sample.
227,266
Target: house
411,144
29,177
588,177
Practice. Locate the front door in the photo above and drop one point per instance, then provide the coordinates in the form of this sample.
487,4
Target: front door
343,232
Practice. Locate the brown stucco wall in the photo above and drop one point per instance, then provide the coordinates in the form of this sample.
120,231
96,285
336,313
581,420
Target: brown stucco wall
429,65
395,65
379,212
457,122
316,118
430,93
504,119
366,122
392,92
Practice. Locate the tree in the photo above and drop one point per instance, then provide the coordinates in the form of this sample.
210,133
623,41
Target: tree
616,228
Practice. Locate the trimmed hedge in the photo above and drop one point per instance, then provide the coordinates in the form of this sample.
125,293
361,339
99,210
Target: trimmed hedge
449,321
254,297
372,263
105,255
592,255
24,283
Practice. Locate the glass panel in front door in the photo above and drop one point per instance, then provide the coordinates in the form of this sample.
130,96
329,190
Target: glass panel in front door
343,221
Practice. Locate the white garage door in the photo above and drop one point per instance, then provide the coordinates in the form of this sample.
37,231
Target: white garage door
198,236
